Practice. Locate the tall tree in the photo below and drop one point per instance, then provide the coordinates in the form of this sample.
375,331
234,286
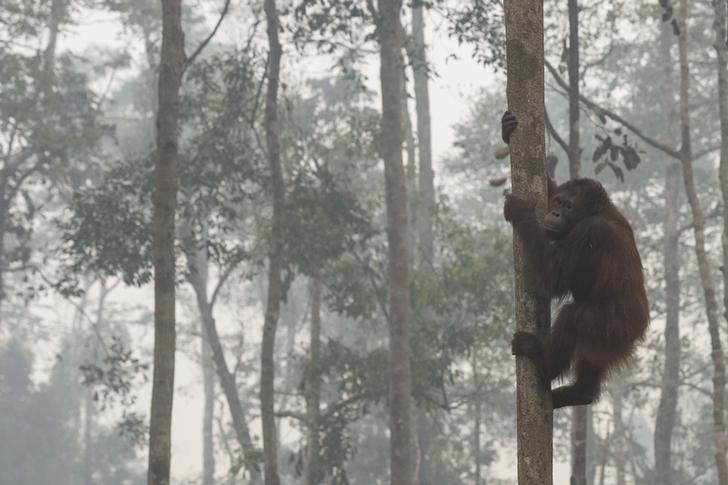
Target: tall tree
525,90
275,256
667,407
580,415
425,195
721,49
165,203
400,312
197,264
313,473
706,279
574,67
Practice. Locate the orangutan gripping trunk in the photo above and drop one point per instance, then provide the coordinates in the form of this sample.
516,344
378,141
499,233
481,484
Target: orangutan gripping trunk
585,249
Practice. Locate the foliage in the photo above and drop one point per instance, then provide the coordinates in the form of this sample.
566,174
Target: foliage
480,24
328,23
324,221
41,422
109,229
607,153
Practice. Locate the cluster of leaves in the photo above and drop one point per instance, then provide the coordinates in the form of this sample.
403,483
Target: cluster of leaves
465,306
109,230
608,153
324,221
327,23
480,24
336,448
116,376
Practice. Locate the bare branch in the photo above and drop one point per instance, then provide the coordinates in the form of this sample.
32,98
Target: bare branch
615,117
204,43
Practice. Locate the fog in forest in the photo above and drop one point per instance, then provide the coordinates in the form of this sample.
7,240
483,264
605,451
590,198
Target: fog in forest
263,242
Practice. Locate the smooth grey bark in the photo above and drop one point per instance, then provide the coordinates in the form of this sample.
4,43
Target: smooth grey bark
313,472
426,174
667,407
706,279
275,255
722,68
400,311
619,438
200,271
579,433
165,204
477,422
525,91
226,377
426,206
410,173
573,66
208,411
580,414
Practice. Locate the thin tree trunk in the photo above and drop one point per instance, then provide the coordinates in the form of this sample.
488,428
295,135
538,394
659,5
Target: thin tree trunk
313,473
579,427
56,17
667,408
89,412
605,457
722,67
711,303
620,441
574,149
165,203
426,198
275,258
525,59
425,195
477,422
226,377
208,413
580,414
207,364
411,173
400,312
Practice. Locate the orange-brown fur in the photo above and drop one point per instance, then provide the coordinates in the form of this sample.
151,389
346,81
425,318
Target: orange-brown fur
596,263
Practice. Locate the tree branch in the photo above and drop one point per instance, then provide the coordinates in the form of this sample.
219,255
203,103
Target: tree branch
554,134
615,117
204,43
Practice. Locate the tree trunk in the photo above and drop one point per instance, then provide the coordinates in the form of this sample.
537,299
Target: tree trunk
165,203
426,199
525,59
580,414
197,266
227,379
55,19
711,303
667,408
207,364
619,438
410,174
579,428
208,413
574,149
275,258
425,195
722,67
477,422
400,312
313,473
